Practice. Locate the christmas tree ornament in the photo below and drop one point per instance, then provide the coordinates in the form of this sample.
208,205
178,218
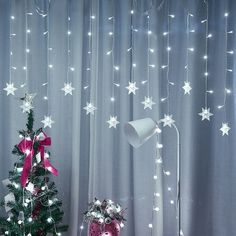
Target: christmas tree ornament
9,199
10,89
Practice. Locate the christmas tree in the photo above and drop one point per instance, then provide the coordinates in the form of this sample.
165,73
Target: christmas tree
31,205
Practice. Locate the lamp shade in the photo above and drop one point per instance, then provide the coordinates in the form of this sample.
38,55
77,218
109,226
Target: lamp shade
139,131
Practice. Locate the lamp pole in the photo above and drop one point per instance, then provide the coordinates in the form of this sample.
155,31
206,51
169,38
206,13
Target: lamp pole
178,178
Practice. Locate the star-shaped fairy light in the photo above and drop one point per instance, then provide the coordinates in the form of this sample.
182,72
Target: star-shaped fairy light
27,102
225,129
26,106
10,89
132,87
205,114
68,89
167,120
90,108
113,122
47,121
148,103
187,88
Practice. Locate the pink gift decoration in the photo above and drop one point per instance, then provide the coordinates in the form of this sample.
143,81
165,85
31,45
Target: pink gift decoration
112,229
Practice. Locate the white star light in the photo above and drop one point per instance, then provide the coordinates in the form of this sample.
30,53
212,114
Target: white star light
10,89
167,120
113,122
225,129
205,114
47,121
90,108
68,88
187,88
26,106
148,103
132,87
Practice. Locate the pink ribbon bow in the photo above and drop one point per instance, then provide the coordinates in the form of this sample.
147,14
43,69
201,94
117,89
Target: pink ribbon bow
26,146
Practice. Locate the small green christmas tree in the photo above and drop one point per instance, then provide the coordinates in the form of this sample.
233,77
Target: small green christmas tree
31,205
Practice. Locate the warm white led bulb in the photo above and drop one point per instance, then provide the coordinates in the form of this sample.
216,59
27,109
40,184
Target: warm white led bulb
20,222
168,173
156,209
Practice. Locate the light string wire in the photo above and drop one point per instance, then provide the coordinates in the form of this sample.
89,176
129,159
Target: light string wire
168,59
226,91
90,35
206,53
49,49
112,34
131,49
152,6
187,51
148,55
10,41
27,32
68,41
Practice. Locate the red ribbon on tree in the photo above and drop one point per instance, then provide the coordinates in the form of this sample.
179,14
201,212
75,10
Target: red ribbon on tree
27,146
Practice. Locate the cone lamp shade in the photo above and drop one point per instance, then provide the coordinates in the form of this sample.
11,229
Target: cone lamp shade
139,131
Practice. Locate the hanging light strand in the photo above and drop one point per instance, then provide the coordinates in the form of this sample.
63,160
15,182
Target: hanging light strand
207,35
148,55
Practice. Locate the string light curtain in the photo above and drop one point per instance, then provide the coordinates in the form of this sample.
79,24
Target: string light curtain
98,64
